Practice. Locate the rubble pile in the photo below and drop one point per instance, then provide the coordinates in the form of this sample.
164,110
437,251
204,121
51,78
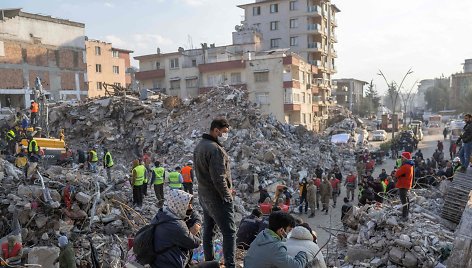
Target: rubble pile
378,239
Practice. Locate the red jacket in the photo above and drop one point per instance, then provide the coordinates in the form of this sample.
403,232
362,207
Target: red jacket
404,175
13,253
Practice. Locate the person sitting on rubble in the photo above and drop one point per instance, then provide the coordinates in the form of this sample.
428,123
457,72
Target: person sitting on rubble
346,210
377,189
66,257
288,196
263,194
11,253
268,249
248,229
302,239
281,204
366,194
456,164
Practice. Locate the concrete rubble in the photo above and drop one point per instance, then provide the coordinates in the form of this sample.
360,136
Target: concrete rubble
376,238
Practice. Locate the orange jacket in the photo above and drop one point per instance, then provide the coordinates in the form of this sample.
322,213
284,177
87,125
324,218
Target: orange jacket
404,176
34,107
187,174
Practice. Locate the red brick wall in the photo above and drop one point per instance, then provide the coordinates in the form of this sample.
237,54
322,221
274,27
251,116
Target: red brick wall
11,78
12,53
36,55
67,80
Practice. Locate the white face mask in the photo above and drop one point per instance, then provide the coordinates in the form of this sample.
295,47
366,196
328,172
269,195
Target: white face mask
223,138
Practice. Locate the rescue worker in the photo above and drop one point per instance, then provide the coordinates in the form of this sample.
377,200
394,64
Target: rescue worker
137,181
404,177
351,183
34,113
336,186
66,257
188,175
10,137
108,163
175,179
93,159
33,148
456,164
317,182
311,197
157,179
11,252
326,190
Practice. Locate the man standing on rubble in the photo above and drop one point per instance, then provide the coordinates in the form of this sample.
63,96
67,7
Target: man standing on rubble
175,179
137,181
351,183
34,113
311,197
466,138
187,174
212,168
404,177
336,185
107,163
93,159
326,190
158,174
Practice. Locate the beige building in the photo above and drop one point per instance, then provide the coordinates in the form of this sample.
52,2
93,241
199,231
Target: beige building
106,65
279,81
38,46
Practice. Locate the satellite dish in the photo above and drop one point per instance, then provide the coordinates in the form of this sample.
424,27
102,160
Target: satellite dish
158,51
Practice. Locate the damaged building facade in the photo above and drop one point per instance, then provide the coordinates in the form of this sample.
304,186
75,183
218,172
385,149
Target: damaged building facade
33,45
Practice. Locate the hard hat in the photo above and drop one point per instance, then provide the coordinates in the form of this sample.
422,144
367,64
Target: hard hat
190,162
456,159
95,146
32,101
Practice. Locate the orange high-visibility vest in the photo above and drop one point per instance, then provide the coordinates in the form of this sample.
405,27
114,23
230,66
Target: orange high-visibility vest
34,107
186,171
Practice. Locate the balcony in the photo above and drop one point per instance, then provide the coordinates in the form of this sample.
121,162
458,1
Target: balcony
314,47
313,28
334,37
334,21
159,73
290,60
292,107
314,11
315,90
315,108
292,84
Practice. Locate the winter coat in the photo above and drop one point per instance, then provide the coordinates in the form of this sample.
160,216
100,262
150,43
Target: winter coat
67,257
172,236
311,193
268,251
466,136
326,190
404,175
302,240
212,168
247,231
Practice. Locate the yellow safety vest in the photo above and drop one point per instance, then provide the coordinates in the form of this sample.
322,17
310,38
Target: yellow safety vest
10,135
159,174
174,180
33,146
105,160
140,172
94,156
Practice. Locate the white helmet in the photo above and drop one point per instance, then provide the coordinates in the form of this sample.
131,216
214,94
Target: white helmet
456,160
189,162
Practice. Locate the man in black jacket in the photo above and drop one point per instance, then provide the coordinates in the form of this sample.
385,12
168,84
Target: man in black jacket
215,189
248,229
466,138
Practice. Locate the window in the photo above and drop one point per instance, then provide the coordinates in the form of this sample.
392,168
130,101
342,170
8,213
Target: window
116,69
98,68
293,23
262,98
304,118
98,51
275,43
175,84
274,25
261,76
294,41
155,83
99,86
257,25
274,8
293,5
194,63
256,11
191,83
174,63
303,98
235,78
115,54
296,97
158,65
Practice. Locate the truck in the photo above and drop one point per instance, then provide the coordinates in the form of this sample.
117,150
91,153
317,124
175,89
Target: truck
455,128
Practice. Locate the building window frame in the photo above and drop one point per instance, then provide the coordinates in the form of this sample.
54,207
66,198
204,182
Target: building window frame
191,83
115,53
274,25
99,86
293,5
174,63
262,98
256,11
116,69
175,84
261,77
235,78
98,68
294,41
98,51
293,23
158,65
275,42
274,8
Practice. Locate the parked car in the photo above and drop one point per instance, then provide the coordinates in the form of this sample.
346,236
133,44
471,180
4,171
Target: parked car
379,135
434,128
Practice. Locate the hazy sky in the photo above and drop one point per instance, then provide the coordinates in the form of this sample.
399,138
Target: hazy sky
431,36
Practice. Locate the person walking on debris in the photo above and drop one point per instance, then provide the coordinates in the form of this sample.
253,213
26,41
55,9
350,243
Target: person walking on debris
248,229
351,183
336,186
108,163
137,181
311,197
215,189
93,159
268,249
175,179
34,108
326,190
66,257
317,182
404,177
157,179
452,150
303,192
188,177
466,139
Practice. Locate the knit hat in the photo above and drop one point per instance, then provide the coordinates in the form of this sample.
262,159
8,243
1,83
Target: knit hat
63,241
406,155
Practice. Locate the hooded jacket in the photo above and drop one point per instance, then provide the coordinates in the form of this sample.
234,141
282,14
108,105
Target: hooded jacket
268,251
302,240
311,192
172,234
404,175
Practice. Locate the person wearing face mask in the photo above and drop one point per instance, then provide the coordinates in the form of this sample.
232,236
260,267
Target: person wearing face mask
268,250
215,190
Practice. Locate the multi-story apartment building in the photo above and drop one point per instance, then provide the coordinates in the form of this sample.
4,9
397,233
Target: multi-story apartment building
106,65
33,45
349,92
279,81
306,27
461,83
